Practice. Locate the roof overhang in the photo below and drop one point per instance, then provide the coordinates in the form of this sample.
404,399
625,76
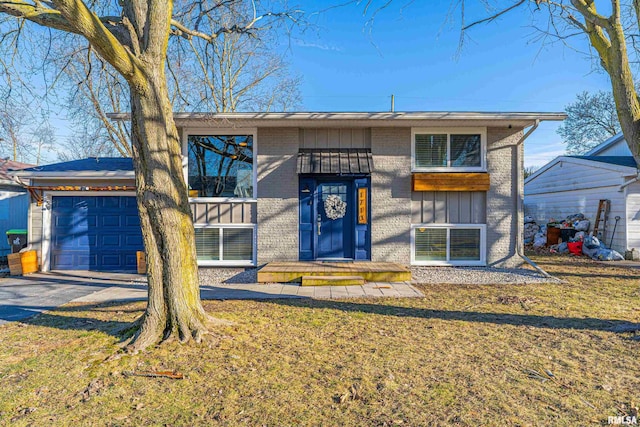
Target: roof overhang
623,170
8,182
604,145
355,119
75,174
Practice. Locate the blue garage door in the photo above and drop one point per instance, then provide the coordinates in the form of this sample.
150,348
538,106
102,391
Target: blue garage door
95,233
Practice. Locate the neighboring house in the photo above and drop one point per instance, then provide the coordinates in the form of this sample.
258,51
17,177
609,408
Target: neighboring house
413,188
575,184
14,203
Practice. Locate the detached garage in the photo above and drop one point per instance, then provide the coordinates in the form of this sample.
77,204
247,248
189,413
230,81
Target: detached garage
575,184
83,215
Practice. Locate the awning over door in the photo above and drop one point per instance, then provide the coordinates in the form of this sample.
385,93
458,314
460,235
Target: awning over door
335,161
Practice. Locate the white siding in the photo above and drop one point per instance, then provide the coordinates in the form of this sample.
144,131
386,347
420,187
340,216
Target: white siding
633,216
14,206
620,148
569,176
569,188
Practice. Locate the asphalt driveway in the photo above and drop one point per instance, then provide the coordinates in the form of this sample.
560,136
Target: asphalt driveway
25,296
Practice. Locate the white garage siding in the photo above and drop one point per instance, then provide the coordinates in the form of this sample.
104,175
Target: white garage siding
570,187
633,216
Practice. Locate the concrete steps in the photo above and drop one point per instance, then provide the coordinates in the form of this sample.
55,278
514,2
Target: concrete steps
332,281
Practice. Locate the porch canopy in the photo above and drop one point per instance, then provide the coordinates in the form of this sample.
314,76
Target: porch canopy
335,161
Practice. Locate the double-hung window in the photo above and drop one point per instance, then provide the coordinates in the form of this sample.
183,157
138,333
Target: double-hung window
449,150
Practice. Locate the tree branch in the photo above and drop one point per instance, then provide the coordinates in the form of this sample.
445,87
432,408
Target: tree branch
495,16
38,14
73,16
588,11
249,28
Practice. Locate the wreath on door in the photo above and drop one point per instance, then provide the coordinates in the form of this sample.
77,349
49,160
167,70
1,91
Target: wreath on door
335,207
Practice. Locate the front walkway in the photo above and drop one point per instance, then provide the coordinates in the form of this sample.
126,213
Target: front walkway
265,291
24,296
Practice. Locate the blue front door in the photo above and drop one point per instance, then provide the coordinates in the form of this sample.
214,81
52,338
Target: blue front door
329,226
334,220
95,233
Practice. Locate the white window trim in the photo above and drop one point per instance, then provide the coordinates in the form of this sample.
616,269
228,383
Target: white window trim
213,132
451,131
483,245
232,263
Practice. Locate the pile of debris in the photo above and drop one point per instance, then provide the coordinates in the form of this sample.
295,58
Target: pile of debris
530,230
569,236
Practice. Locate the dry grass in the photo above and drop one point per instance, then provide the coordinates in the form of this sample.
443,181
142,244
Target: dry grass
468,355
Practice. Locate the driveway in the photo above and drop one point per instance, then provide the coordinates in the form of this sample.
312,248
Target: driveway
24,296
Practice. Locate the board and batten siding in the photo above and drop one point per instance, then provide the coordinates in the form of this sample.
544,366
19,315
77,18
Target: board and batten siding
448,207
208,213
569,188
633,216
335,138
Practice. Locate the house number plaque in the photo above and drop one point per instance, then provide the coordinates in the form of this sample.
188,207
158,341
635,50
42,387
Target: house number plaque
362,205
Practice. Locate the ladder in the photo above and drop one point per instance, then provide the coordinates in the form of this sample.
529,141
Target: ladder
600,224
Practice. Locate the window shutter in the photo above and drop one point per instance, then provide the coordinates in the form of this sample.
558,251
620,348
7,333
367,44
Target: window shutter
431,150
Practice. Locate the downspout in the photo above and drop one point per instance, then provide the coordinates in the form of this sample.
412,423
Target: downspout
519,205
628,183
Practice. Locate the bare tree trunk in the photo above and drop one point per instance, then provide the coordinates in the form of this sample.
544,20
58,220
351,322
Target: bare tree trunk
624,91
607,37
174,296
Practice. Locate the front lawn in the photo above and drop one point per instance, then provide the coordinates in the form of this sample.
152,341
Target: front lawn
518,355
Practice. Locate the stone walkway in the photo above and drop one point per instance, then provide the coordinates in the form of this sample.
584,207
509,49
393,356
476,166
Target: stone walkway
137,292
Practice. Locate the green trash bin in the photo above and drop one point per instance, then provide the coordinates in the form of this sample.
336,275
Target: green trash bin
17,239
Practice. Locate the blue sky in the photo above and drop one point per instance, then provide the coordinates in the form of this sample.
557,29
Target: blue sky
348,65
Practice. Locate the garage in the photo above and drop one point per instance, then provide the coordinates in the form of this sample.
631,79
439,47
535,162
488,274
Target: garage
100,233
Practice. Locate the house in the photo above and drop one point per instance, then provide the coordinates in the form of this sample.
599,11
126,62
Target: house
575,184
14,203
421,188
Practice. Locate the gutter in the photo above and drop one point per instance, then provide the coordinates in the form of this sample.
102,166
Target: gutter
341,115
519,205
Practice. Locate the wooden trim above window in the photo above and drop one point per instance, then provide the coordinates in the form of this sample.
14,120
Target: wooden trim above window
441,181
